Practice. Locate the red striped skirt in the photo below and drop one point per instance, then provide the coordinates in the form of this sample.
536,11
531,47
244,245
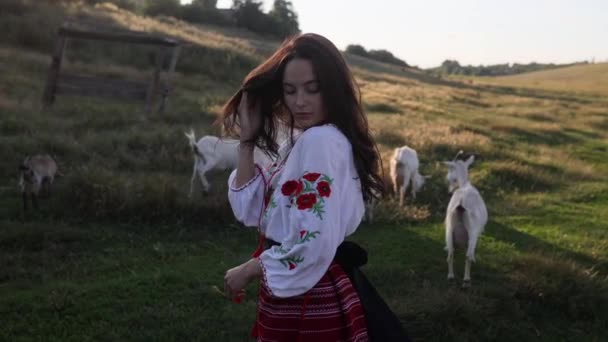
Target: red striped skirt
330,311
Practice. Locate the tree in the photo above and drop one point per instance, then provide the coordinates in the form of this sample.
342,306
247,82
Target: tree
356,49
205,4
162,7
249,14
203,11
285,18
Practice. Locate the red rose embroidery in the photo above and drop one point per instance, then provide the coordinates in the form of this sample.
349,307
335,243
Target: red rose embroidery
292,265
306,201
289,187
302,233
299,187
323,189
311,177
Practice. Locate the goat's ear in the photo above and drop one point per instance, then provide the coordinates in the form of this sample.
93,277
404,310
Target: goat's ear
448,163
458,155
470,160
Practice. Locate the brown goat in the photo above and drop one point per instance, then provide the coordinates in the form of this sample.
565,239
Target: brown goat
36,173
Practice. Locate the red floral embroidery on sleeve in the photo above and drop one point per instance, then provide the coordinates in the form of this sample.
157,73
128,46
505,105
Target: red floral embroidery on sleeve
323,189
293,261
309,192
292,188
306,201
312,176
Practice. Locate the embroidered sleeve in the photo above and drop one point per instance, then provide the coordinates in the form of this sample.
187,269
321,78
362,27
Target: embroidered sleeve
321,211
246,200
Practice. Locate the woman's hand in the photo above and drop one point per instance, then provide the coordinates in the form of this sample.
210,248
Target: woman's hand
250,118
238,277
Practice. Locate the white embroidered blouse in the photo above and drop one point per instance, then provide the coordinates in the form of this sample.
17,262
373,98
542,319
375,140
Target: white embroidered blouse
308,202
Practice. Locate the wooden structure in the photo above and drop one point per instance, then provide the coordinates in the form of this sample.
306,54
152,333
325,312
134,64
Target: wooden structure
59,83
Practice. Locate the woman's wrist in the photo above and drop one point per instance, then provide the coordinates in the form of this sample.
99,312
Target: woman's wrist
254,269
246,145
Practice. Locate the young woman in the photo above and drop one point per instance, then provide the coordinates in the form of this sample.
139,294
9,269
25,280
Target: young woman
307,202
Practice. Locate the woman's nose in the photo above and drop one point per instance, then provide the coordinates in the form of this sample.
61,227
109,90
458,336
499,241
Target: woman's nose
300,99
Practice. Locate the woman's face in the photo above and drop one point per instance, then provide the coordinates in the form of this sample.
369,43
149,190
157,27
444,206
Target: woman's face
301,93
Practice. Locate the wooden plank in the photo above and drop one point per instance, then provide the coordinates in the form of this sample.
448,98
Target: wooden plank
48,98
101,87
118,37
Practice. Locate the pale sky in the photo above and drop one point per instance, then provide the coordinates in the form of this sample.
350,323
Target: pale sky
427,32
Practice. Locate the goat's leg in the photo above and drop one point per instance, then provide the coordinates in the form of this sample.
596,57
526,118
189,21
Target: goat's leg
201,173
450,260
35,201
205,182
470,258
413,188
45,188
406,182
471,247
449,246
395,186
192,180
466,281
369,212
49,185
24,196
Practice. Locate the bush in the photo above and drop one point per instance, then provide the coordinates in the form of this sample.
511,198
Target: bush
162,7
21,23
198,14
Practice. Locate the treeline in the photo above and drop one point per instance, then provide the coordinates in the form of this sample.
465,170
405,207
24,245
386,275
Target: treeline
281,21
378,55
451,67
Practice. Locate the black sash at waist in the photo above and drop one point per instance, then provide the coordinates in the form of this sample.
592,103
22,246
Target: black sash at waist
382,323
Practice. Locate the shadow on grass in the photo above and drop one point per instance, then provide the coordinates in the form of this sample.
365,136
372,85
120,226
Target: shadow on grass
527,243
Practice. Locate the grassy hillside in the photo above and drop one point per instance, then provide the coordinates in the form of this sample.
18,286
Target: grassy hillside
120,253
589,78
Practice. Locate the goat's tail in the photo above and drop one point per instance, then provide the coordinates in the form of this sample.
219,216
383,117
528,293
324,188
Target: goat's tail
192,141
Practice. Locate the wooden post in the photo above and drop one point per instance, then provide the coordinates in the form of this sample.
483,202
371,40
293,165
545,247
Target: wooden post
165,95
48,98
153,89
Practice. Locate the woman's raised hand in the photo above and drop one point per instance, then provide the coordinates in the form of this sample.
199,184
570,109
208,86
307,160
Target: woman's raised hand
250,118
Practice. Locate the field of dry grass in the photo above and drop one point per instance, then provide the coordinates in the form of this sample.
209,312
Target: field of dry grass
120,253
590,79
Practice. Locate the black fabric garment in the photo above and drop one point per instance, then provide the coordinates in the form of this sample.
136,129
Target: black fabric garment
382,324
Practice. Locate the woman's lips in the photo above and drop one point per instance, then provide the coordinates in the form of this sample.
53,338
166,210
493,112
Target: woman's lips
304,115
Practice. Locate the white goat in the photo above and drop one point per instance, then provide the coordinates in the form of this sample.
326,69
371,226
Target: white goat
36,173
466,216
404,169
213,153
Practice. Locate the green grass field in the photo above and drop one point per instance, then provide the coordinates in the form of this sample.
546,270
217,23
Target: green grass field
119,252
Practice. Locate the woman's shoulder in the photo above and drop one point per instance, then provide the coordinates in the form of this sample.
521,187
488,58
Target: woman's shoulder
327,135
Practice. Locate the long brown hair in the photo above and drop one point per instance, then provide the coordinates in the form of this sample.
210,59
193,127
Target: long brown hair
341,98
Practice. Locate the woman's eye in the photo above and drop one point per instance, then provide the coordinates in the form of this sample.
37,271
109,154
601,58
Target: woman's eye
313,90
289,91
